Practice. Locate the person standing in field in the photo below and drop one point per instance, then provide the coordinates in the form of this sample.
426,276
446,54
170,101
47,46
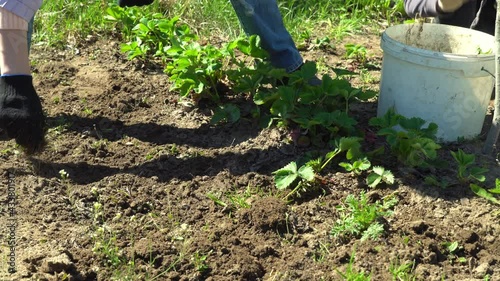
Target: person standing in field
475,14
21,114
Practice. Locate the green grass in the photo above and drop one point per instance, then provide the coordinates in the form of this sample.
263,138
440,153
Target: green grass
68,23
352,274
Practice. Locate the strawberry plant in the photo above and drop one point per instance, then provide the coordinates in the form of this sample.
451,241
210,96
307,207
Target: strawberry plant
466,171
125,19
148,34
413,144
229,113
303,178
289,174
378,175
357,166
488,194
196,68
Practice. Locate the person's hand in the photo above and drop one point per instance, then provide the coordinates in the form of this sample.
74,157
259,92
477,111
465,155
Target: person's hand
130,3
448,6
21,115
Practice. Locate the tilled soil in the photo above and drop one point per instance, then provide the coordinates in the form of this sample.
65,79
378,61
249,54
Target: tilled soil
136,186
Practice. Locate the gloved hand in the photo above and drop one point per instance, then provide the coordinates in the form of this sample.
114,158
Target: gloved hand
21,114
449,6
129,3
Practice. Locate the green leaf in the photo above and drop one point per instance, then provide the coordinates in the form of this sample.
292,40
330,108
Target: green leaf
261,97
373,232
366,95
362,164
388,120
452,247
378,170
281,108
478,173
479,191
379,174
462,158
332,153
285,176
265,121
495,190
256,50
352,146
306,172
343,72
414,123
228,112
373,180
347,166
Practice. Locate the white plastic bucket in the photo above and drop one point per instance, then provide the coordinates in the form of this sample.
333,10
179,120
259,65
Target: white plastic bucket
435,72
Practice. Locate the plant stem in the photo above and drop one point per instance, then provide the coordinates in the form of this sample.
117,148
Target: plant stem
294,190
337,151
492,138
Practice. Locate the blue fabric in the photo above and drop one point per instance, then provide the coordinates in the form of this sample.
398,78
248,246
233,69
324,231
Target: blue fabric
263,18
30,33
23,8
10,75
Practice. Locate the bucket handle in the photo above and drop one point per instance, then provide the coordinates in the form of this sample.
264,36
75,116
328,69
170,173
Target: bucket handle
487,71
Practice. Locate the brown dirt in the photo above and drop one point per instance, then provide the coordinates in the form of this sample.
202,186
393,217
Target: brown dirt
151,163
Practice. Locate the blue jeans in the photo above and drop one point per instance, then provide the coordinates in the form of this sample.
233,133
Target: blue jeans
30,32
263,18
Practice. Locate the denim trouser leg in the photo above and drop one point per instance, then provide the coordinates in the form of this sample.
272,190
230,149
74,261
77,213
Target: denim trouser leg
30,32
263,18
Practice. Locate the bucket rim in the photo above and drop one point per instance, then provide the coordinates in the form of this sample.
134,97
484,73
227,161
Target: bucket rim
434,54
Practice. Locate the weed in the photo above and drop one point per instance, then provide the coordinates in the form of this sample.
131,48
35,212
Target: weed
357,52
232,200
453,249
402,271
320,253
61,126
352,274
199,261
359,219
323,43
367,77
64,175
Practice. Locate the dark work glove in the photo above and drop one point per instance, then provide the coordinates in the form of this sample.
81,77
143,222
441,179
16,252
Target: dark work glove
130,3
21,115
